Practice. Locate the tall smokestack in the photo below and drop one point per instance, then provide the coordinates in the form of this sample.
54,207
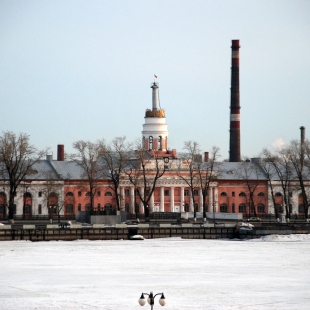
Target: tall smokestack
60,152
234,145
302,144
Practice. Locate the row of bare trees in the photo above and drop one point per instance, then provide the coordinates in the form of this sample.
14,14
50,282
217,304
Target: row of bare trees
119,160
289,169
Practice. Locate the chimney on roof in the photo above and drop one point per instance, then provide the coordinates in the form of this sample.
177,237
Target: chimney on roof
60,152
206,157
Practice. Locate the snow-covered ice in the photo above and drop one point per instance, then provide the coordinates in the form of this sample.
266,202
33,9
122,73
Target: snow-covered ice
268,273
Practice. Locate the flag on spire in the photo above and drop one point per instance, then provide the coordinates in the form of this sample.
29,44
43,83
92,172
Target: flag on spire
155,76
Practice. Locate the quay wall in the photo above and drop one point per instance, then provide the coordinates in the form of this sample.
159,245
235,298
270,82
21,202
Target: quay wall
122,231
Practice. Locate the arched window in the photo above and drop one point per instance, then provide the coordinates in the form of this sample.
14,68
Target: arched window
79,207
108,194
28,195
160,143
261,194
223,194
242,208
278,194
150,143
242,194
87,207
261,208
223,208
69,194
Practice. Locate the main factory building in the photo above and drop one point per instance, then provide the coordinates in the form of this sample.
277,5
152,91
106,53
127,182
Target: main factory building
228,192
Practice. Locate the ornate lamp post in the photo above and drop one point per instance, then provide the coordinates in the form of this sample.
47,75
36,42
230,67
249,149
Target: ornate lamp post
151,298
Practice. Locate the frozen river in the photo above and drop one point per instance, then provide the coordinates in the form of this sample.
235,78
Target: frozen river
269,273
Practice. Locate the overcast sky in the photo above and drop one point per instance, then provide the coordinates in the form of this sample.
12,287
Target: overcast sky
72,70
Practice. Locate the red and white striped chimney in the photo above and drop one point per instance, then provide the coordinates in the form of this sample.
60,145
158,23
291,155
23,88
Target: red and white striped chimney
234,145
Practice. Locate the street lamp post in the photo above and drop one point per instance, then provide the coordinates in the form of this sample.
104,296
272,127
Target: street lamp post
151,298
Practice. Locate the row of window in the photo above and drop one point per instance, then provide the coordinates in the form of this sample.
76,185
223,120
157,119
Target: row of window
241,194
88,194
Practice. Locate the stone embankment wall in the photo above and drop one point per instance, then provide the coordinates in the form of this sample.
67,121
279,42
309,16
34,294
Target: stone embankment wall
123,231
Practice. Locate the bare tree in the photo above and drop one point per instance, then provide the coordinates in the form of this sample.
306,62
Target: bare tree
189,168
17,157
208,172
300,162
114,157
87,157
53,195
251,174
143,173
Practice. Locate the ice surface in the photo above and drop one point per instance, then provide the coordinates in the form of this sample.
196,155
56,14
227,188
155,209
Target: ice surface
269,273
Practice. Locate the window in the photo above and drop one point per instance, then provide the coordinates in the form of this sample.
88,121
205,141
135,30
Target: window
79,194
127,207
88,194
261,194
39,209
290,194
159,142
150,143
196,207
261,208
108,194
40,194
79,207
98,206
87,207
242,194
108,206
127,193
186,192
233,208
301,209
195,192
223,194
186,207
28,209
223,208
233,194
279,208
69,208
278,194
69,194
242,208
14,209
147,192
2,209
98,193
166,192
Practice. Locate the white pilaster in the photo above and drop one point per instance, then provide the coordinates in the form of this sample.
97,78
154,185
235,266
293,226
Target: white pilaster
182,198
162,200
172,199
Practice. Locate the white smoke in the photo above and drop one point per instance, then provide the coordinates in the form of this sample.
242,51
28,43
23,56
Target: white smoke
278,144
